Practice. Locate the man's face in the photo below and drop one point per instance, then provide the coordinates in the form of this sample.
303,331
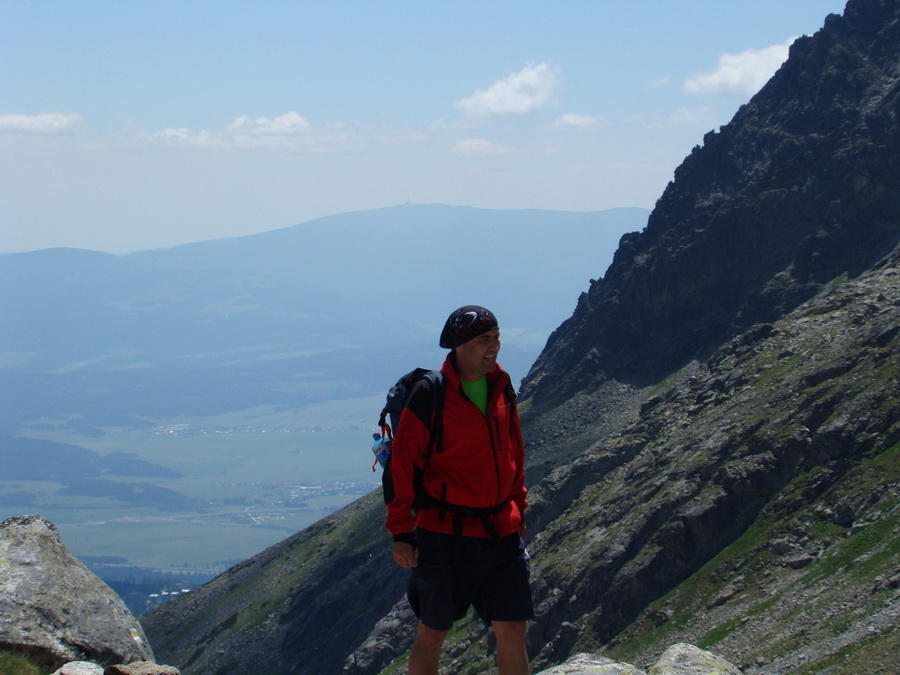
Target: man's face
478,356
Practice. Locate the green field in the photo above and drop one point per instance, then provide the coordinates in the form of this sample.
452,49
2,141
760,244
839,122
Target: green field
249,486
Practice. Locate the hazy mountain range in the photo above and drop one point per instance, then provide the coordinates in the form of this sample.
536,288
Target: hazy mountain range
329,309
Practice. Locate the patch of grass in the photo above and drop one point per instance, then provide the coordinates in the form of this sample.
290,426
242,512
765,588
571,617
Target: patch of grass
662,384
777,370
720,632
889,459
866,554
397,666
13,663
873,549
823,529
469,630
525,405
843,278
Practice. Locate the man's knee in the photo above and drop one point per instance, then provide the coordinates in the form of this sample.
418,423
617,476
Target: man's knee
430,636
509,632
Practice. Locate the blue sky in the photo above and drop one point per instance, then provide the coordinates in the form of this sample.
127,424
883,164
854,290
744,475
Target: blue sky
144,124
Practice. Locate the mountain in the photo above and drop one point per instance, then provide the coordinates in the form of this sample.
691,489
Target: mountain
329,309
713,436
799,188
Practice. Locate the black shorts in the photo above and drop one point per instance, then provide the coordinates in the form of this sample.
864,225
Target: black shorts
454,573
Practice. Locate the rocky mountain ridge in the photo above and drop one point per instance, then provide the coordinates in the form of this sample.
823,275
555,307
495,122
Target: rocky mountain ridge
712,437
798,188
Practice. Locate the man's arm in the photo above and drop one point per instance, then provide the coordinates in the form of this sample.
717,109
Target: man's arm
408,450
400,518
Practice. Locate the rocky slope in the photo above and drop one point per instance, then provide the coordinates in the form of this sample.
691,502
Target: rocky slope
712,437
752,498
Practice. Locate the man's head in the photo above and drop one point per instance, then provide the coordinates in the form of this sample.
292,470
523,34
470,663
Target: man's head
466,323
473,334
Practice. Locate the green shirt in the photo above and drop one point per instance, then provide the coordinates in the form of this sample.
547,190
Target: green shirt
477,392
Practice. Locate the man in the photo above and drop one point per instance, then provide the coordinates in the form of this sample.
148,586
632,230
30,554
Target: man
463,535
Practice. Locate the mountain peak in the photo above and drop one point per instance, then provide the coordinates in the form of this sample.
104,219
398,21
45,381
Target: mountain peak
798,188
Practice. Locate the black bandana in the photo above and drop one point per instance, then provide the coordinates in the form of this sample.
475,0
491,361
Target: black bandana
466,323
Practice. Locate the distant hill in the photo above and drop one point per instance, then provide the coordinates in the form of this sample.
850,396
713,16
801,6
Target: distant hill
32,459
334,308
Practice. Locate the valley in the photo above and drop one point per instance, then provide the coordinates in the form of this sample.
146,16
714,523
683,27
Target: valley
234,485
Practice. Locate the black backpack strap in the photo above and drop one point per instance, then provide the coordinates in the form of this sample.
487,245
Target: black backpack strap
459,512
513,401
429,408
438,390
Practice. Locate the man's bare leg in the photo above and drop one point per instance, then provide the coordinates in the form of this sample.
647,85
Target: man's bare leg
512,659
425,657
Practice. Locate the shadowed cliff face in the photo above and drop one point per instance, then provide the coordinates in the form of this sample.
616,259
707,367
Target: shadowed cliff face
712,437
800,187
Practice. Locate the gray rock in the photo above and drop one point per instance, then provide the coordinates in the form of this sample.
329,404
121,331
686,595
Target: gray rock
141,668
54,608
685,659
79,668
592,664
679,659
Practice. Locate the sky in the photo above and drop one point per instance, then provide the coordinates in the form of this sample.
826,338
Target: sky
144,124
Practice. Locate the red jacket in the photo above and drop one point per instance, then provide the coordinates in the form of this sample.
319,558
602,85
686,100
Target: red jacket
480,464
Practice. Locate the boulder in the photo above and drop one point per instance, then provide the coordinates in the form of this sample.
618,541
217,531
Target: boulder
136,668
141,668
685,659
55,609
592,664
679,659
79,668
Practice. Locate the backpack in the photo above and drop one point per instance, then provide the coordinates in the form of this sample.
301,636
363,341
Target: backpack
395,403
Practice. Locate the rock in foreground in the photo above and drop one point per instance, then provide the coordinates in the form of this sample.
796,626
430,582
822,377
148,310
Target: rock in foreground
679,659
56,610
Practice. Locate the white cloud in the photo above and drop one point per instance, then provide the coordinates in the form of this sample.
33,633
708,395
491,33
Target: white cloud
572,119
289,129
479,146
288,124
43,123
742,74
518,94
182,136
286,130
